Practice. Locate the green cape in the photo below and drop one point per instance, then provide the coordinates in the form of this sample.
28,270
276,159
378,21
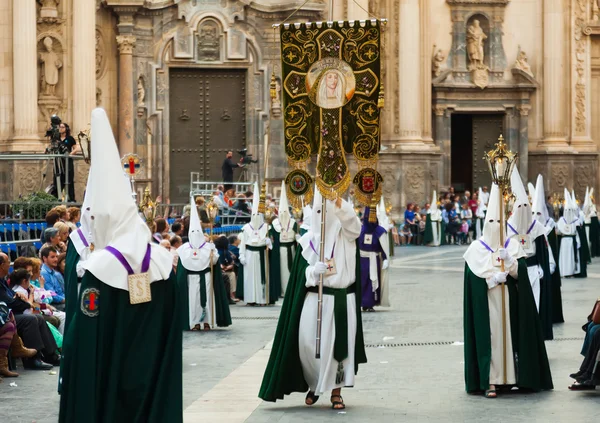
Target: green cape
428,238
533,370
543,257
124,364
71,282
584,253
284,371
557,313
239,288
222,313
595,237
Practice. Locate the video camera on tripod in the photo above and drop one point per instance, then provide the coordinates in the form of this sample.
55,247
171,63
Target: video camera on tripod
246,158
55,147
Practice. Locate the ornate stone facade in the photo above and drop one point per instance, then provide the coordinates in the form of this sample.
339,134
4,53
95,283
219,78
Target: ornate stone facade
514,62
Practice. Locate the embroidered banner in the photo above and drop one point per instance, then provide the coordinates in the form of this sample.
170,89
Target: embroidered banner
332,93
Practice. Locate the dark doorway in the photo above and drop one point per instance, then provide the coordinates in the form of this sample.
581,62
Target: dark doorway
207,118
471,137
461,150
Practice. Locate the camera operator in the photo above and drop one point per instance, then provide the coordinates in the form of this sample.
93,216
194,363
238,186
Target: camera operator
62,143
227,169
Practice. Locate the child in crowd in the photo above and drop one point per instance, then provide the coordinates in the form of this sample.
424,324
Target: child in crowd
405,234
395,234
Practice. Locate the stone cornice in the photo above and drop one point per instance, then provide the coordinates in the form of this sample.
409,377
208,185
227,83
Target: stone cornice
478,2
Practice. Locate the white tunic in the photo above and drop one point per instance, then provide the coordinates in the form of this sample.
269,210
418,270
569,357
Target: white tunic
321,374
566,258
286,235
254,290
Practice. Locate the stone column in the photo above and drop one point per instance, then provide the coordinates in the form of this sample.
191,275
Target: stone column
555,80
409,86
84,69
425,73
355,12
126,129
524,142
442,137
25,79
6,70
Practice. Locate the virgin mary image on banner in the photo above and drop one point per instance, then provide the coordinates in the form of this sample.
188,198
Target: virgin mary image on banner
331,83
331,93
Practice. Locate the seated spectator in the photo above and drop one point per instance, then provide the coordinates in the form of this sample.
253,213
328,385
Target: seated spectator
63,236
51,238
62,261
31,328
176,242
201,205
422,224
63,213
229,197
588,376
176,229
74,216
54,281
405,234
242,209
395,234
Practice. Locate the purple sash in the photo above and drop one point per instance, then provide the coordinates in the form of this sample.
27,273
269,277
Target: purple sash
82,237
125,263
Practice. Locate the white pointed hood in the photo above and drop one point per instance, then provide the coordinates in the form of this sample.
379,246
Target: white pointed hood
82,238
521,221
195,254
311,241
571,211
284,219
478,256
382,217
586,204
539,209
257,219
434,211
531,192
306,217
114,216
481,207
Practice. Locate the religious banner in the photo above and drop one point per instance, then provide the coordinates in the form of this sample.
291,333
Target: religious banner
332,96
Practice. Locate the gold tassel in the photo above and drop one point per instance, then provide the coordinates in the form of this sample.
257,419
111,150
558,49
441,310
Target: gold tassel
262,199
273,87
373,210
381,99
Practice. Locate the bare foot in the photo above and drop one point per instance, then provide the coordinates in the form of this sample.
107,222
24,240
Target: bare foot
206,327
337,402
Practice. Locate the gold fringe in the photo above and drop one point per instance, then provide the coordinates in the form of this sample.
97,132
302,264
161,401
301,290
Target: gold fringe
381,99
273,87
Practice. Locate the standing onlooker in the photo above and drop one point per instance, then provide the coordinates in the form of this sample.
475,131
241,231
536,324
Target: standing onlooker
485,196
64,167
176,242
466,217
465,198
395,233
226,261
409,219
63,236
474,203
74,216
227,170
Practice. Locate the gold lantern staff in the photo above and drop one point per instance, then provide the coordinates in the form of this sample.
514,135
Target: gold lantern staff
148,209
501,162
212,210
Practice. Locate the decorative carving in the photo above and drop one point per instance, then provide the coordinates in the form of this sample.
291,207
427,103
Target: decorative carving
100,55
584,173
276,106
580,9
49,8
51,63
560,176
209,41
141,91
439,110
437,61
522,64
414,187
126,43
98,96
524,110
29,178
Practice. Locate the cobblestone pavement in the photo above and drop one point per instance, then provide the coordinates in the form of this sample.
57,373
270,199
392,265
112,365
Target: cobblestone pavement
414,373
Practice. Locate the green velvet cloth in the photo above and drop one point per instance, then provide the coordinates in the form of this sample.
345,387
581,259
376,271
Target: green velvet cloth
284,370
584,253
222,313
71,283
428,237
557,311
542,255
123,365
533,370
595,236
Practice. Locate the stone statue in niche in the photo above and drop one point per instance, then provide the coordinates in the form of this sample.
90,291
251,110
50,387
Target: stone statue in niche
141,92
209,43
49,8
438,61
51,64
522,63
475,40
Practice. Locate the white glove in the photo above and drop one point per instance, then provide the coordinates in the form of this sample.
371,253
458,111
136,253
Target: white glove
540,272
320,268
80,269
385,264
242,259
269,243
504,255
496,279
552,267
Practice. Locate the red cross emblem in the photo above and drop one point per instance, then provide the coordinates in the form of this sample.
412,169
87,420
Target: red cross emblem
522,241
329,267
195,254
90,302
498,259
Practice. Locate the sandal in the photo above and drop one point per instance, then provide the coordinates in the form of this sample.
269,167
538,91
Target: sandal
337,405
312,398
581,387
206,327
491,393
196,328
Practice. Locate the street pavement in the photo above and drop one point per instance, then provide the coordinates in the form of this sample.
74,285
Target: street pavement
414,371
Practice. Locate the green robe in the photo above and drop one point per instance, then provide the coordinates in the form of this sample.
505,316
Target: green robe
284,373
275,265
533,370
584,253
557,312
595,236
391,241
239,288
124,365
428,238
542,254
71,283
222,313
